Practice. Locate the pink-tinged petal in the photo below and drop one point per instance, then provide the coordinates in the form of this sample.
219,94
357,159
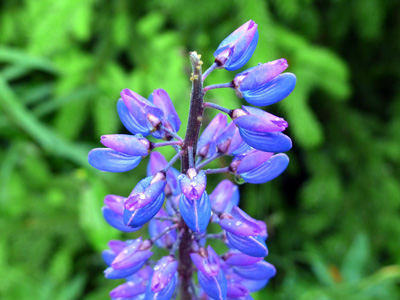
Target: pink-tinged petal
252,160
225,196
127,144
240,259
162,100
115,203
206,145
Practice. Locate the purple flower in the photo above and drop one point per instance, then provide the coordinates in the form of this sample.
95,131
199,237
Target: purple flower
138,114
135,286
206,145
194,203
261,130
145,200
158,226
163,280
243,233
211,277
235,50
129,260
259,167
170,118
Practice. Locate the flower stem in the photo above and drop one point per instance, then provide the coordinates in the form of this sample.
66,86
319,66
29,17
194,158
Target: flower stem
190,142
209,70
219,107
172,161
208,160
162,144
215,171
218,86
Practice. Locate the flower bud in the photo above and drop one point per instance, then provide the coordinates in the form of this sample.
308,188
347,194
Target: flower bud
236,258
109,160
211,277
236,50
258,167
138,108
194,203
129,260
243,233
145,201
261,130
163,280
135,286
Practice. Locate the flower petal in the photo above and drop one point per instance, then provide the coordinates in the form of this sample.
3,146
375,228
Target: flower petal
109,160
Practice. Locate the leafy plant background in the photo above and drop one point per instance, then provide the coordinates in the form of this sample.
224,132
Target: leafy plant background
333,217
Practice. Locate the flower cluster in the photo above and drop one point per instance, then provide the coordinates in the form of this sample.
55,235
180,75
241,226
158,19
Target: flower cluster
176,204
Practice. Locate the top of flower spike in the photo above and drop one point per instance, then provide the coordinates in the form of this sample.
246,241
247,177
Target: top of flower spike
235,50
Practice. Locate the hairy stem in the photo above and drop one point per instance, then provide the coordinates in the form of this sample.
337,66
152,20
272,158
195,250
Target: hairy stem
189,149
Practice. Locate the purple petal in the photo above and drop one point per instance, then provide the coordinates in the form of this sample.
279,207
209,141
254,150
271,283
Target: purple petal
268,170
206,145
261,74
238,227
117,246
108,160
224,196
127,144
193,188
252,160
137,200
111,273
208,265
163,101
164,271
158,226
164,294
129,289
254,285
236,290
273,91
157,162
115,203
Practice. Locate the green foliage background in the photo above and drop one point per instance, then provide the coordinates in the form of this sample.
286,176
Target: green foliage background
333,217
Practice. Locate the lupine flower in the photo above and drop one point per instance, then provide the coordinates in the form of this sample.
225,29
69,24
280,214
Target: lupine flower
163,280
236,50
259,167
243,233
262,130
255,141
194,202
211,277
145,200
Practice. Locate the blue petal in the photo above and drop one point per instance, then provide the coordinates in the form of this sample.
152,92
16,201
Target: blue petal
274,91
268,170
142,215
251,245
234,65
108,256
128,120
266,141
259,271
109,160
196,213
116,220
254,285
215,286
